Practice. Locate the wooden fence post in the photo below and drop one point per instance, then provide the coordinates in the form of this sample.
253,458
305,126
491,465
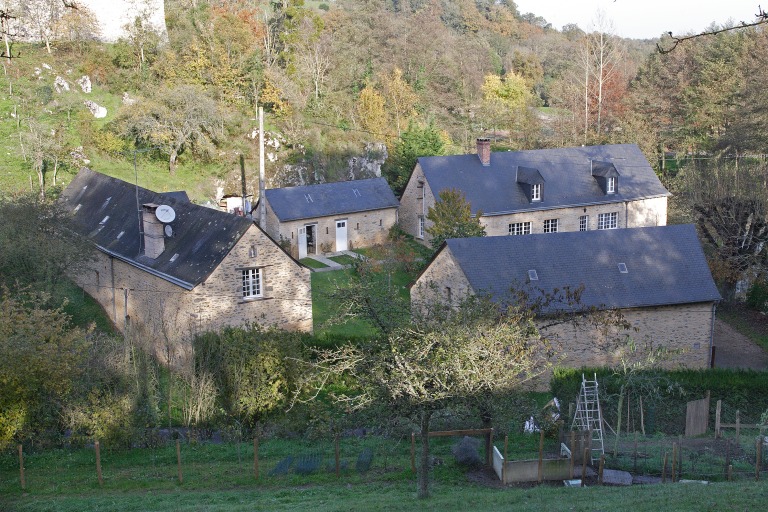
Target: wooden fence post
717,418
256,457
489,449
674,461
758,447
97,447
600,469
664,469
22,479
738,427
584,467
635,455
504,462
730,472
541,455
573,453
178,460
413,451
336,453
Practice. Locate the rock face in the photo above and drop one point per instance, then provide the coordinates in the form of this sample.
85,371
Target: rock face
60,85
368,165
98,111
85,84
113,15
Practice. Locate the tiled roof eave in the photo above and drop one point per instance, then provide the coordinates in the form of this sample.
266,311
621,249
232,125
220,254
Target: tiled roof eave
570,205
148,270
332,214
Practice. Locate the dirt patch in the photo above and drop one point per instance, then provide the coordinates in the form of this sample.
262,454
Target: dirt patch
734,350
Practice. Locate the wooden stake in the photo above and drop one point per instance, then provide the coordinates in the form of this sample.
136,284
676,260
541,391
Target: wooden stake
717,418
504,462
730,472
22,479
664,469
413,451
336,453
541,455
178,461
98,462
758,446
256,457
489,449
573,454
674,460
635,455
584,467
600,470
642,417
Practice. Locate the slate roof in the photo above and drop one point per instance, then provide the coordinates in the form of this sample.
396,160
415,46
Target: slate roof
327,199
567,175
104,210
665,265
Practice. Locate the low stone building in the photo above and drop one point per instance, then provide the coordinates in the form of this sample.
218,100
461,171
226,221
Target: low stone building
331,217
167,268
657,278
540,191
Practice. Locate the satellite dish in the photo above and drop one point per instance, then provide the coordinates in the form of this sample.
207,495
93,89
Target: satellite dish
168,230
165,214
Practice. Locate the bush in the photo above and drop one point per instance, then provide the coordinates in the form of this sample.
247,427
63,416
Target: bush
757,295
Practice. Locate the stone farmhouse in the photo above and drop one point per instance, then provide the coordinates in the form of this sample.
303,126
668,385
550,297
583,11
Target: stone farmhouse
540,191
168,268
657,277
331,217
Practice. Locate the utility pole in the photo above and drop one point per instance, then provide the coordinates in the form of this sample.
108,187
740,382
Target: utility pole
262,186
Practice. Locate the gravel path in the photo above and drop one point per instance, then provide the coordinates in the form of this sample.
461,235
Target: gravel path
734,350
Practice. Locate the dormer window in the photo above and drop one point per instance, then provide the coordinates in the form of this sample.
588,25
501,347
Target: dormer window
606,175
536,192
531,181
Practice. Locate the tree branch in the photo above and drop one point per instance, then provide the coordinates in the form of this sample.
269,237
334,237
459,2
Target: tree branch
761,18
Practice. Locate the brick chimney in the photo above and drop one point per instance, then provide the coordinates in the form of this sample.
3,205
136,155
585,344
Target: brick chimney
154,238
484,151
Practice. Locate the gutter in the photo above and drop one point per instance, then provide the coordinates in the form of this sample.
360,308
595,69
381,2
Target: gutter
712,337
564,206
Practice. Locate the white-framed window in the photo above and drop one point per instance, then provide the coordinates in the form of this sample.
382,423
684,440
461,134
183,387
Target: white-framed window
550,225
610,185
536,192
421,226
253,283
608,220
520,228
584,223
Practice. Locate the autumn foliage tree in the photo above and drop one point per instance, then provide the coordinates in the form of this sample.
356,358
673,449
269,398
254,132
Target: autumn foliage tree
452,217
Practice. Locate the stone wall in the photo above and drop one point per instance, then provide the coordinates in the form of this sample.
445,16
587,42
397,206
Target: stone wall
415,203
442,282
364,229
166,315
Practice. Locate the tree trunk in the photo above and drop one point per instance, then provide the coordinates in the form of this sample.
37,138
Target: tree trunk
423,479
172,161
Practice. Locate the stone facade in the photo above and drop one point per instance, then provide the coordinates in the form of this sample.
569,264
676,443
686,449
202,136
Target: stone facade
147,304
418,197
364,229
685,329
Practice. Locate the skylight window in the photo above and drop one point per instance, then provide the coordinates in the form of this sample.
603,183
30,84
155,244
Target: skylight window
308,198
532,275
356,192
173,258
104,220
623,268
120,235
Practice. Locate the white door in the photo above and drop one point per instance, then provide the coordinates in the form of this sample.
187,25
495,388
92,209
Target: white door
341,235
302,243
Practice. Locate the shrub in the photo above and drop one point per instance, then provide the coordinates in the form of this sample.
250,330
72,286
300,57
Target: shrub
757,295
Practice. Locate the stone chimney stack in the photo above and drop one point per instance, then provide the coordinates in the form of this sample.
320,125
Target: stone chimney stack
484,151
154,238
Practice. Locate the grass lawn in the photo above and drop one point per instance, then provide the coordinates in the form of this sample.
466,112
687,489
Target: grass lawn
312,263
323,283
344,259
221,478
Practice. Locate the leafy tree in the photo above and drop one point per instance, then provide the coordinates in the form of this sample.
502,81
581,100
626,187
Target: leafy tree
416,141
451,217
77,26
419,370
40,357
400,98
370,111
182,117
37,246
